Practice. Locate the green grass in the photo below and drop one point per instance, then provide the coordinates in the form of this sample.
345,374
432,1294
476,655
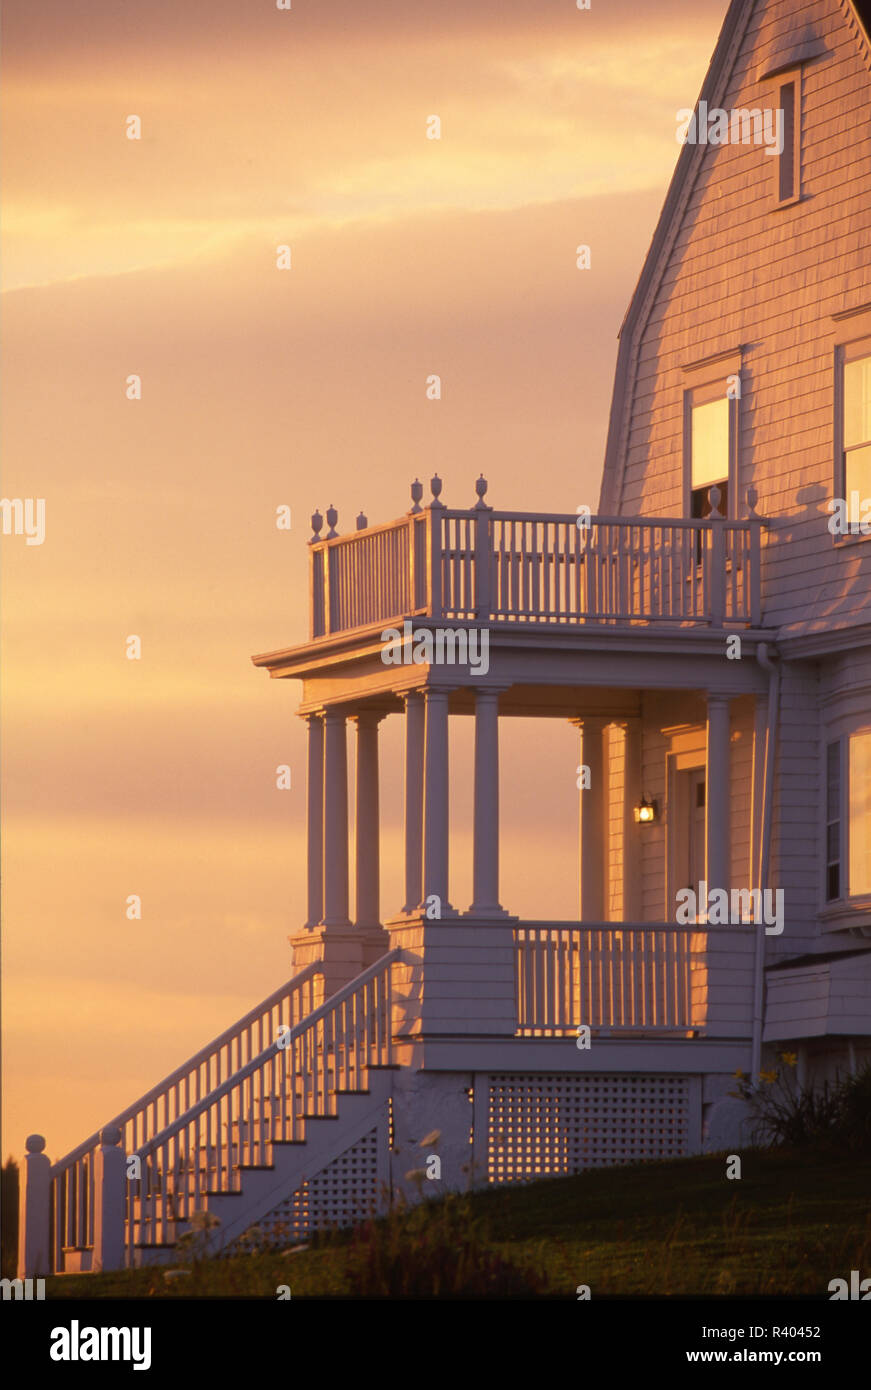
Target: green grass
788,1226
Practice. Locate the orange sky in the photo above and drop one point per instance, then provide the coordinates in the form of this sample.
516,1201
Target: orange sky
260,387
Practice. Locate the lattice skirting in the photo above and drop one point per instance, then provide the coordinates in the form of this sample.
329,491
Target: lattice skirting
538,1126
342,1193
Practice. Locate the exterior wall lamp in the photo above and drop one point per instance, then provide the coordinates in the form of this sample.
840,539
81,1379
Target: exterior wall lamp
646,812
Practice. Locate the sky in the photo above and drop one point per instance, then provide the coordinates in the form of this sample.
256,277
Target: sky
263,388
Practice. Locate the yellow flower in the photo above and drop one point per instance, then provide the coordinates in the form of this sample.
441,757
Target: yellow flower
768,1077
790,1058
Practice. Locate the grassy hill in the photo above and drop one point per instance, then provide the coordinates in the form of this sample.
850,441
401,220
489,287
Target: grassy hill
789,1225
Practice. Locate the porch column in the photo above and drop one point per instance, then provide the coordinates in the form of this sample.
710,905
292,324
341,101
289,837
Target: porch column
593,810
368,829
717,793
760,737
632,791
414,727
315,819
486,833
335,821
436,822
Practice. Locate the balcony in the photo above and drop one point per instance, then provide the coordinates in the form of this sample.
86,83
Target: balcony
493,568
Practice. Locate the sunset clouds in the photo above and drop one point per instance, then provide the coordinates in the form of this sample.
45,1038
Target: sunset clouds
260,388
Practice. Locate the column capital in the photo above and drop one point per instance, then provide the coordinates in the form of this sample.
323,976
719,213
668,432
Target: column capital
484,692
592,720
718,697
367,718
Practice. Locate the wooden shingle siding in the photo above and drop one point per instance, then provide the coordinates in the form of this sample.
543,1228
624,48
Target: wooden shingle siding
742,270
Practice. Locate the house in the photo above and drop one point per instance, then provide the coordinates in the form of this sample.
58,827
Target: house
709,634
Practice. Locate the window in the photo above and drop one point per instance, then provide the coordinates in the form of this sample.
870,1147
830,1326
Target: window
856,421
859,776
848,761
786,161
709,453
833,821
786,121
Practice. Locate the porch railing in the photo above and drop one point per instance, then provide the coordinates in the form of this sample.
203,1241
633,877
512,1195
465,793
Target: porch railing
486,566
620,978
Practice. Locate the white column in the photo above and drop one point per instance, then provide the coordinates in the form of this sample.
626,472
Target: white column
368,829
436,820
486,843
335,821
414,732
594,802
717,794
315,819
632,792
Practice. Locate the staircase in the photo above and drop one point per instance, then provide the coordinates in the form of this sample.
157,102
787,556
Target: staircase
236,1130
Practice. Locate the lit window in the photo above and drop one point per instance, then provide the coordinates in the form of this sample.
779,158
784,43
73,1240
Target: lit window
859,774
709,455
857,425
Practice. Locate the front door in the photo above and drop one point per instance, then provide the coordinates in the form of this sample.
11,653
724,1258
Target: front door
696,857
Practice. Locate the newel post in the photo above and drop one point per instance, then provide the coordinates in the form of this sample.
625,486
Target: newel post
110,1191
482,553
34,1206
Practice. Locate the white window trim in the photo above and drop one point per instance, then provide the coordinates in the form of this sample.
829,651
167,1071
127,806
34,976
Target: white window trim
781,79
848,910
846,350
701,393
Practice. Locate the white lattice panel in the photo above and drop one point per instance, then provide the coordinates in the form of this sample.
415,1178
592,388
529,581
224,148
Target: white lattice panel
549,1124
342,1193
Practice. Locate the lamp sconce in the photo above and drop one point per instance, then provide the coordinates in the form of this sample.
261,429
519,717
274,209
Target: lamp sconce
646,812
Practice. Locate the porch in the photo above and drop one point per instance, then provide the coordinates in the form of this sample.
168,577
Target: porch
590,623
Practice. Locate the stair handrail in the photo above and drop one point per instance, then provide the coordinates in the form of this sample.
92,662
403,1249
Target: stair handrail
198,1154
309,973
306,1025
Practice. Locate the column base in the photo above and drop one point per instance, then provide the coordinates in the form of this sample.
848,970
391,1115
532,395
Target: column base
495,912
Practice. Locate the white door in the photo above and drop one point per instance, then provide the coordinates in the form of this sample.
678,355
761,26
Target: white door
696,856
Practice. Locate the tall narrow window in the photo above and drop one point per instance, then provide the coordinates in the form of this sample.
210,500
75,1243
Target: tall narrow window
857,420
859,775
788,158
709,455
833,821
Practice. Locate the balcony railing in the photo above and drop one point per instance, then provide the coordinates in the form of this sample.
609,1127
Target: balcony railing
616,978
491,567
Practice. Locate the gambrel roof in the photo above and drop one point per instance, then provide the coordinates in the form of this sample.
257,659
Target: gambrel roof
800,46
